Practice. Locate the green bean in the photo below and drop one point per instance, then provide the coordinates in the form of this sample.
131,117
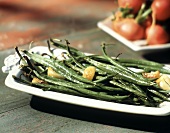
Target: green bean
99,58
99,71
21,57
132,85
137,88
140,62
101,79
74,59
49,49
128,61
69,75
61,45
49,87
162,70
60,68
121,67
78,90
47,78
148,103
127,88
73,73
74,67
148,68
159,94
32,65
113,70
61,81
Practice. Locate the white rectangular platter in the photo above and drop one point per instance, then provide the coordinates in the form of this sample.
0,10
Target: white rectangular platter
82,101
138,45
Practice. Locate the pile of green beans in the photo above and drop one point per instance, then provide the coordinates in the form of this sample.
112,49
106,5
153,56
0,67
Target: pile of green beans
113,80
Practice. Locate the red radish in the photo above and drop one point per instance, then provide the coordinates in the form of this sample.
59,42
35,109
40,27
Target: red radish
161,9
129,29
156,34
134,4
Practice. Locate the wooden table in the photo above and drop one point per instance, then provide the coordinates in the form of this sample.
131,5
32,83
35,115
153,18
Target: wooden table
76,21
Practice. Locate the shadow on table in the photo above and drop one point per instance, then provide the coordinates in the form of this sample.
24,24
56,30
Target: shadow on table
159,56
124,120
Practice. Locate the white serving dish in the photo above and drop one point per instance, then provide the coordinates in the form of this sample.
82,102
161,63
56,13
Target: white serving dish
163,110
138,46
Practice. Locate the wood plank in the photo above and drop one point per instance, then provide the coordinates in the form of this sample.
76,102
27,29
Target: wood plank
9,98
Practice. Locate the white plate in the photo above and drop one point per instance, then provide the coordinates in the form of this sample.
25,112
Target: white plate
88,102
139,45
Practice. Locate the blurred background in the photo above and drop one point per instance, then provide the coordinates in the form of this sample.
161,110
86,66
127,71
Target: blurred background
23,21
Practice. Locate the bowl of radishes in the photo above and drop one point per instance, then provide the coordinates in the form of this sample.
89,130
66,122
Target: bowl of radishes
142,25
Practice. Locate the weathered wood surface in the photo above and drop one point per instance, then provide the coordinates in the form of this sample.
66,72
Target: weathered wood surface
21,112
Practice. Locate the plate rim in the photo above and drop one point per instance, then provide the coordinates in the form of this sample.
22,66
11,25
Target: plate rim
83,101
